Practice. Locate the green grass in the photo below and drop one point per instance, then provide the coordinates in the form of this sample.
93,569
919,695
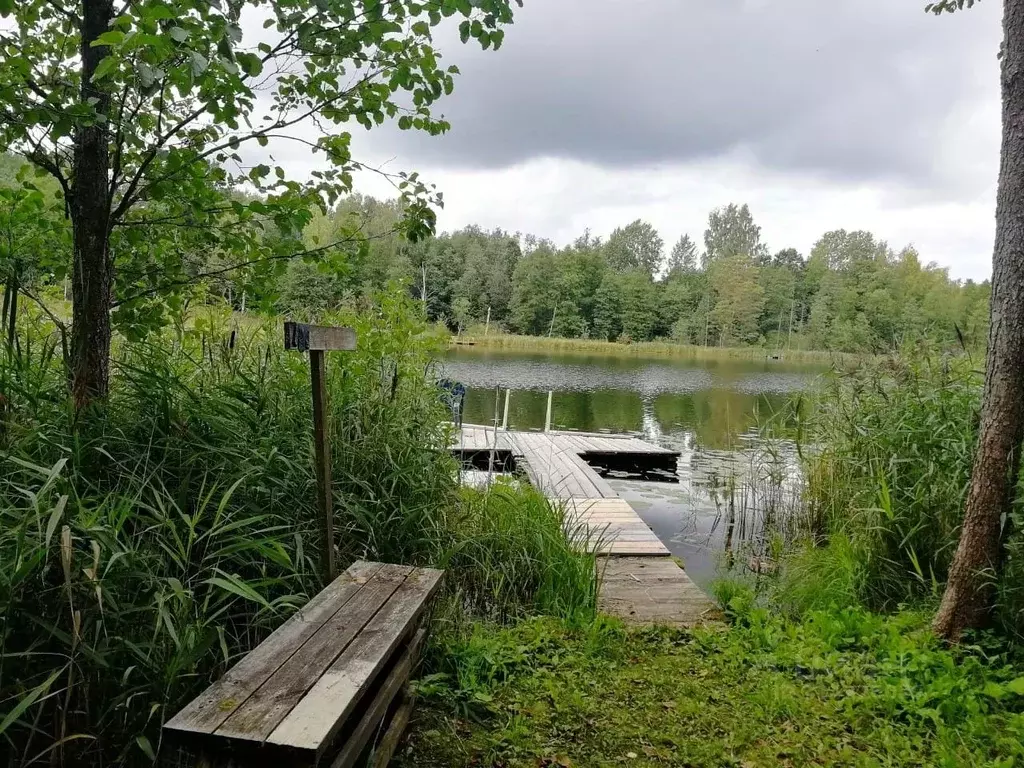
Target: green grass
840,688
652,349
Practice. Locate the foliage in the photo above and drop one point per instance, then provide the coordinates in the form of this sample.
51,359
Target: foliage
732,232
635,247
853,294
887,482
841,687
144,554
896,442
152,118
510,552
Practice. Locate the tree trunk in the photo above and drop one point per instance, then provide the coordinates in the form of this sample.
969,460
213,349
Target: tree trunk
92,279
970,590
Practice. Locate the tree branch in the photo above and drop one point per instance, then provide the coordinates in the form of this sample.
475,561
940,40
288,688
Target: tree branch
65,13
224,270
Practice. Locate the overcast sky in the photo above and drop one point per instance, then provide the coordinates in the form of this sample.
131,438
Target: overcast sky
821,114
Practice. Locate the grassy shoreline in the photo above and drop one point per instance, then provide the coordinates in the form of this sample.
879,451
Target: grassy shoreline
653,349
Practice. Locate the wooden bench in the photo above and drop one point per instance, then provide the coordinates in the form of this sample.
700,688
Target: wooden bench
328,687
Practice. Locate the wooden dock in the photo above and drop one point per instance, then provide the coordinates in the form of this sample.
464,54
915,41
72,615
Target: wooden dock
640,581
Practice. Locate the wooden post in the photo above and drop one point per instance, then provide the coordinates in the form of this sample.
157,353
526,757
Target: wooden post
504,419
316,340
322,450
487,325
547,418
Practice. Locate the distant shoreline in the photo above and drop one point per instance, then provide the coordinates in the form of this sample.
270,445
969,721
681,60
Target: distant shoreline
653,349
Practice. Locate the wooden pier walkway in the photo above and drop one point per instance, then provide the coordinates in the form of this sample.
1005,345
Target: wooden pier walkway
640,581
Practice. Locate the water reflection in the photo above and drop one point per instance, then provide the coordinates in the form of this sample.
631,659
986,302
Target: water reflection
732,485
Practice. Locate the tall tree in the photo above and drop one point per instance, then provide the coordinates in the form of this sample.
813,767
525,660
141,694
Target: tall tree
637,246
732,232
739,299
683,258
608,309
534,292
969,594
139,109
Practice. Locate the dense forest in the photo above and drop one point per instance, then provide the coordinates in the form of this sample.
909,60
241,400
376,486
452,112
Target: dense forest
851,293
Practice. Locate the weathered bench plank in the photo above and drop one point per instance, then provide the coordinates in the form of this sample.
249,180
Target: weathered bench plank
209,711
378,709
291,697
257,718
316,719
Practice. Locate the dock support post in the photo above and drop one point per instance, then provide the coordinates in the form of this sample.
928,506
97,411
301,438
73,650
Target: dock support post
547,418
504,418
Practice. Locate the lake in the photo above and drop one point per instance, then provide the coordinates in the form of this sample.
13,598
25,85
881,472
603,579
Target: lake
730,481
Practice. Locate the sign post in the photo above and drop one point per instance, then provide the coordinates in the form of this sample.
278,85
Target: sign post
317,339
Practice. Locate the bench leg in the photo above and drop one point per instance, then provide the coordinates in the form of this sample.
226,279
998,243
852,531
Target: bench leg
391,738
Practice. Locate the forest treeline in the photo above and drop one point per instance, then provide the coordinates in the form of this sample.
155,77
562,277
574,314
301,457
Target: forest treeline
851,293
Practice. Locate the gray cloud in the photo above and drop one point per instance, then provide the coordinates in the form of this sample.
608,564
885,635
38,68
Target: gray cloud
847,89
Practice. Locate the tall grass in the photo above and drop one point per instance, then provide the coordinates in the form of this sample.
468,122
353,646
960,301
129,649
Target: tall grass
888,453
510,549
144,551
653,349
896,443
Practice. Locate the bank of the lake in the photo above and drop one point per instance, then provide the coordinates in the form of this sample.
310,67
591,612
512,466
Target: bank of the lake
651,349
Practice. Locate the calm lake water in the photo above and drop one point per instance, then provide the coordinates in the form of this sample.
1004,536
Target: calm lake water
729,480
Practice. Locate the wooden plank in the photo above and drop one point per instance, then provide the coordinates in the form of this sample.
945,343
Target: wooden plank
209,710
314,721
390,741
634,549
601,486
303,337
257,718
374,714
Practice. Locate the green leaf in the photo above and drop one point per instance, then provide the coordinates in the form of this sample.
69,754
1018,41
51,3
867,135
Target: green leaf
113,37
104,68
250,64
1016,686
464,31
145,746
199,63
28,700
993,690
6,7
179,34
421,28
55,516
146,74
